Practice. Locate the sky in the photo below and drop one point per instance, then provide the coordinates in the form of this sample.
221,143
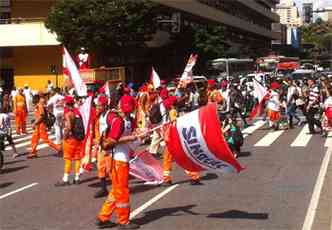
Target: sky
317,3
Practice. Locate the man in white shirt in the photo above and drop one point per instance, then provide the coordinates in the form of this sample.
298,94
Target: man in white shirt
28,96
57,103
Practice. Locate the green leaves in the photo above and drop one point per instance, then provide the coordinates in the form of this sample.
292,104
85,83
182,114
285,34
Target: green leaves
209,41
102,24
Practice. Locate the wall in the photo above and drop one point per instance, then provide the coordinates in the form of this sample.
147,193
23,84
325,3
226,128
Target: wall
30,9
32,66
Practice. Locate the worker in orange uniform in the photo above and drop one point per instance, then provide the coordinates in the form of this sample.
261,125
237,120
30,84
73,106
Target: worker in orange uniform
115,140
169,104
72,146
20,110
40,129
102,159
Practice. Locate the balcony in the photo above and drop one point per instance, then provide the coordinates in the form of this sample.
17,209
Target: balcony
204,11
25,32
258,8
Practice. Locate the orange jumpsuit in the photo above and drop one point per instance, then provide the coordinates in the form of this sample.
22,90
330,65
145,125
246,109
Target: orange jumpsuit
40,131
168,158
118,199
20,108
102,158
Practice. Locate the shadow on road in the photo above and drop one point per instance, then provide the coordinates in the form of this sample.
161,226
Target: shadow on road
10,170
244,154
141,188
236,214
154,215
4,185
209,176
13,162
90,179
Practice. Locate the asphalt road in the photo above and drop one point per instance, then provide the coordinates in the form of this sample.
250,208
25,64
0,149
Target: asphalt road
274,192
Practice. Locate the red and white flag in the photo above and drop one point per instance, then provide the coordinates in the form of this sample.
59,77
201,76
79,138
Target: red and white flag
260,92
85,111
145,167
71,71
155,79
196,142
187,73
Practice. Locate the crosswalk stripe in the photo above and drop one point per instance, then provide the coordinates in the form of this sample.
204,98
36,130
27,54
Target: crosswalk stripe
27,143
268,139
251,129
14,136
303,138
39,147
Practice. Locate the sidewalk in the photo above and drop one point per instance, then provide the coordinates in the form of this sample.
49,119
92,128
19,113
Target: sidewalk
323,218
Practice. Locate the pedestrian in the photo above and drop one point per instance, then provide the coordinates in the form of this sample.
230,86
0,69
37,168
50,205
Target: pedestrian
5,128
116,142
40,129
28,96
103,159
72,144
313,106
20,110
49,86
292,96
56,104
273,106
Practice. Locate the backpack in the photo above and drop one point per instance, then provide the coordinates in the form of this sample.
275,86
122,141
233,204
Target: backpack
49,119
155,114
78,128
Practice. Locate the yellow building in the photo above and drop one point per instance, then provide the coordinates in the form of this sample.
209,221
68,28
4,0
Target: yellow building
27,50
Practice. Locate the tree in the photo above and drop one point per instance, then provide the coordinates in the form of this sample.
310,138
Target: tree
100,25
209,41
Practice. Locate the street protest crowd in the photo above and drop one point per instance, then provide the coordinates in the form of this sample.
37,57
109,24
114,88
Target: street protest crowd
123,118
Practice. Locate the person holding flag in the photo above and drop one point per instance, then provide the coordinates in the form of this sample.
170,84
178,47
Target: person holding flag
115,141
273,106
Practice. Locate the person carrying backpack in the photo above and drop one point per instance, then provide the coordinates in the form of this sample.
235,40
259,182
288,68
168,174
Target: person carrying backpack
73,136
40,129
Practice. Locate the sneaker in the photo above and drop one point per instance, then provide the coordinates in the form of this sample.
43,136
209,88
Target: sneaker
195,182
128,226
101,193
105,224
61,183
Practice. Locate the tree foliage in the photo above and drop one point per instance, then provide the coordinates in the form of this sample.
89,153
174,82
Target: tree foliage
318,34
209,41
102,24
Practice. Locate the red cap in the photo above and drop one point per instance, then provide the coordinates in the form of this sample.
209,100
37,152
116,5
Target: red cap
102,100
163,82
275,85
126,90
127,104
163,93
211,82
69,100
169,102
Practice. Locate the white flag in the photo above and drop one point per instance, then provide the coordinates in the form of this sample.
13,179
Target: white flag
155,79
70,69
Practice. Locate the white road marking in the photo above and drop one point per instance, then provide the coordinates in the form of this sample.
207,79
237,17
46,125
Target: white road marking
311,212
39,147
26,143
153,200
17,190
268,139
251,129
303,138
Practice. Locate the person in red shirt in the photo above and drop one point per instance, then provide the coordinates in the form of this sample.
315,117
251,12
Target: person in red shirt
115,141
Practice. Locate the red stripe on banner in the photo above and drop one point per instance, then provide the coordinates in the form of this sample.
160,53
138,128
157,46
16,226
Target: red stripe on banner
211,130
174,146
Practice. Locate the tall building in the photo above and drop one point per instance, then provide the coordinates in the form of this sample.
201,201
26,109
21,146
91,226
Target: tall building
307,12
247,22
289,13
27,49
